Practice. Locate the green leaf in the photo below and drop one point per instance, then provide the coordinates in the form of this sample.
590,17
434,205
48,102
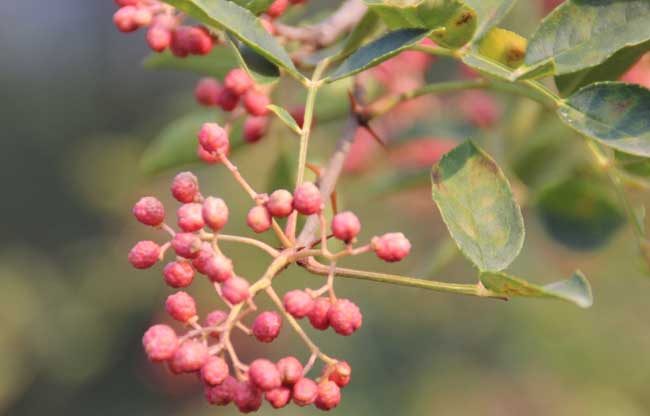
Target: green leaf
486,66
478,207
614,113
576,290
286,118
216,64
579,213
258,67
581,34
610,70
634,165
377,52
241,23
490,13
368,27
255,6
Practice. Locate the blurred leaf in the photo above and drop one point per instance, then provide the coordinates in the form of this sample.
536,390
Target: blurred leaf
478,207
286,118
282,175
397,181
258,67
368,27
378,51
579,212
581,34
575,290
490,13
614,113
216,64
635,165
504,47
255,6
242,24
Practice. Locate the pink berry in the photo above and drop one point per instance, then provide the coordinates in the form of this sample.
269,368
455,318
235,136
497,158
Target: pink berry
259,219
190,356
279,397
227,99
319,316
181,306
178,274
248,398
307,199
160,343
222,394
345,226
219,268
199,41
159,38
305,392
144,254
206,156
123,3
200,260
190,217
391,247
214,371
290,370
280,203
206,92
181,42
215,318
124,19
142,17
213,138
266,326
235,290
264,374
215,213
255,128
186,245
277,8
344,317
238,81
340,373
185,187
329,395
298,303
256,103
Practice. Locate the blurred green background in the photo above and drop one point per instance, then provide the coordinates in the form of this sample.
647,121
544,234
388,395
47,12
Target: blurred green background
77,113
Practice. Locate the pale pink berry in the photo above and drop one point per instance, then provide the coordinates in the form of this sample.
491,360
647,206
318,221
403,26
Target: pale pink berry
214,371
290,370
345,226
255,128
318,316
298,303
159,38
344,317
235,290
142,17
199,41
227,99
186,245
144,254
189,357
222,394
304,392
256,103
178,274
391,247
149,211
215,318
219,268
267,326
329,395
280,203
277,8
215,213
190,217
181,41
181,306
259,219
205,253
307,199
125,19
185,187
206,92
264,374
340,373
160,343
207,157
213,138
279,397
247,397
238,81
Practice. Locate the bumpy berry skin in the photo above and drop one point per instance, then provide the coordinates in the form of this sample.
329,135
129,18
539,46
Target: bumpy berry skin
213,138
267,326
180,306
345,226
280,203
340,373
207,157
279,397
290,370
298,303
186,245
344,317
304,392
318,316
160,342
200,260
158,38
222,394
235,290
219,268
307,199
206,92
391,247
256,103
264,374
185,187
144,254
178,274
190,217
259,219
227,99
277,8
181,42
255,128
124,19
329,395
238,81
189,357
215,318
214,371
248,398
199,41
149,211
215,213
